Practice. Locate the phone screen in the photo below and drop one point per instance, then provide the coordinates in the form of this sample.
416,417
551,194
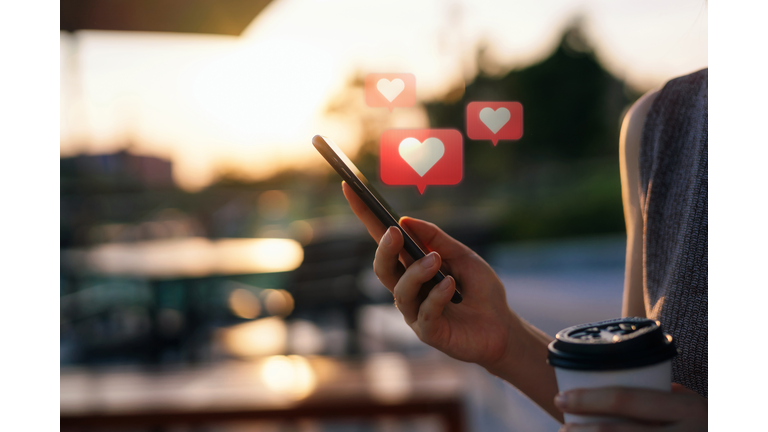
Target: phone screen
375,202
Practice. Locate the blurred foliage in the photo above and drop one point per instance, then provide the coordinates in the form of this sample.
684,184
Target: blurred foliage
562,177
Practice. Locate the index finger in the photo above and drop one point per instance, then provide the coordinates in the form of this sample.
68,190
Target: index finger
375,228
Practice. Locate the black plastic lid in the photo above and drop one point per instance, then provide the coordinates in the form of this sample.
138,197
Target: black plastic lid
621,343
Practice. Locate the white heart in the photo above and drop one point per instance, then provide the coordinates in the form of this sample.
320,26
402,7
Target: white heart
421,156
495,120
390,89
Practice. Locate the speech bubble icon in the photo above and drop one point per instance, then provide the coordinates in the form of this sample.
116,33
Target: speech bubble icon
390,90
495,121
421,157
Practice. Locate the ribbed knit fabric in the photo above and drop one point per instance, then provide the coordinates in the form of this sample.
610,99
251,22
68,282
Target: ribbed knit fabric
673,194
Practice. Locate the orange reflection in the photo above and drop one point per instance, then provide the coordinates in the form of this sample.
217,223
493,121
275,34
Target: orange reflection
266,336
189,257
243,256
244,303
289,375
278,302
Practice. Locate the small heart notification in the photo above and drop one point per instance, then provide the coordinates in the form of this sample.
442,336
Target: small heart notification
390,90
421,157
495,121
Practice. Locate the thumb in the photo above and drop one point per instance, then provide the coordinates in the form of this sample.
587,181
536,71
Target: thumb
434,238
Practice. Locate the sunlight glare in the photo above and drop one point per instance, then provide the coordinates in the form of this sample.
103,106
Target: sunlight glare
249,105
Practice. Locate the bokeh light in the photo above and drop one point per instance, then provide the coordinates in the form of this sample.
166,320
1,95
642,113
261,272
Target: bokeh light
244,303
389,379
305,338
263,337
278,302
289,375
193,256
243,256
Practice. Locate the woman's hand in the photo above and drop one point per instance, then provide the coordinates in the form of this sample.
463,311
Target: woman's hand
480,328
644,410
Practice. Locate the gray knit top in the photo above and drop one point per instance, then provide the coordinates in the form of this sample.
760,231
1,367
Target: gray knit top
673,196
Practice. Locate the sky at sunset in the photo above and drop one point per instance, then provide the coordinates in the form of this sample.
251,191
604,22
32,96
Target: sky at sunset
250,104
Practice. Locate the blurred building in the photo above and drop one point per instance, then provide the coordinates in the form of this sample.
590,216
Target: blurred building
118,169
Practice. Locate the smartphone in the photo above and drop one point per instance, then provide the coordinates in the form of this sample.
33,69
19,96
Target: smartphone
354,178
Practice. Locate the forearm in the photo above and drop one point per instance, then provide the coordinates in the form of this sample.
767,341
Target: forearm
524,365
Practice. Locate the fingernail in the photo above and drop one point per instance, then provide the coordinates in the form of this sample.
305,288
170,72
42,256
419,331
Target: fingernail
386,239
444,284
429,260
561,400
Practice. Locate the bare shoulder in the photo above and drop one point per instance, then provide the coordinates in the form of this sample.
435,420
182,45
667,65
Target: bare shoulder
629,155
632,125
629,147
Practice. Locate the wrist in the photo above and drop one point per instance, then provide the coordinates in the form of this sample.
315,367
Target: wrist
517,343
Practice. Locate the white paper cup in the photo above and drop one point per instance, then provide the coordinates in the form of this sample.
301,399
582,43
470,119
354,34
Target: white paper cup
624,352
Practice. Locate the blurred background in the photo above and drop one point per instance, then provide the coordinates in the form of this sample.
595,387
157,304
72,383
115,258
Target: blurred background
213,277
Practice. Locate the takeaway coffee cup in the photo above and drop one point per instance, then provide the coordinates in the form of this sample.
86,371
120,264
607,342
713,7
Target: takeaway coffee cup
623,352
